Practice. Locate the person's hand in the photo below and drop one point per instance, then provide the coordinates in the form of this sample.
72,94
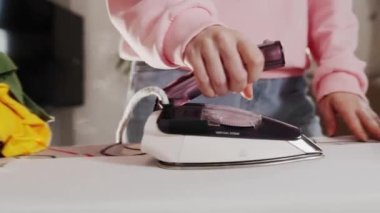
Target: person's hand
223,61
354,111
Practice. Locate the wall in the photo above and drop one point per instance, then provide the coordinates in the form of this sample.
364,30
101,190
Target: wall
105,87
368,12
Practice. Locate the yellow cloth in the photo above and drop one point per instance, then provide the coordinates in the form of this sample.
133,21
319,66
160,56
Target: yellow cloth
21,132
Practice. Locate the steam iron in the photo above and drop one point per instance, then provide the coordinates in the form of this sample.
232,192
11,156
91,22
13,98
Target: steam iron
192,136
205,136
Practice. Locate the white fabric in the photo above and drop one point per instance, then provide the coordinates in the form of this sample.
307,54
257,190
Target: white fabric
346,180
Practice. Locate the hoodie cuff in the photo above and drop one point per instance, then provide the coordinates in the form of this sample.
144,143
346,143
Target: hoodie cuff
183,28
339,81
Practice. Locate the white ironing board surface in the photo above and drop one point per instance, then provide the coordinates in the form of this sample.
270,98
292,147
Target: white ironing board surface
346,180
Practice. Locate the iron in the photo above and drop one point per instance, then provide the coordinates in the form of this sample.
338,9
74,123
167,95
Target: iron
192,136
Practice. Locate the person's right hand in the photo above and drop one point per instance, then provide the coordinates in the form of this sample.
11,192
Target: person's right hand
223,61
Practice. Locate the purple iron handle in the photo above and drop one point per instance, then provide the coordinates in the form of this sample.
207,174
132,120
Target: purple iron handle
185,88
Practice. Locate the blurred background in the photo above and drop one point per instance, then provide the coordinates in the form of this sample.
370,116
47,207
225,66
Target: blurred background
66,51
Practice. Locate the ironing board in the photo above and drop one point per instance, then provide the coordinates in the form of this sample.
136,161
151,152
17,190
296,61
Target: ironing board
346,180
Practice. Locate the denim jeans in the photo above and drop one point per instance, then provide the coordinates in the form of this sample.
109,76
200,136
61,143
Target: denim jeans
284,99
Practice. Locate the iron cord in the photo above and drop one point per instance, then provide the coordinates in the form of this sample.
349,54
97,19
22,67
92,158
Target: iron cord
136,98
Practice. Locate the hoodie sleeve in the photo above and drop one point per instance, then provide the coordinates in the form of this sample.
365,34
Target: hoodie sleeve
333,36
159,30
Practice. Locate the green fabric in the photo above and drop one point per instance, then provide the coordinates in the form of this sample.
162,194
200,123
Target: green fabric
37,110
8,75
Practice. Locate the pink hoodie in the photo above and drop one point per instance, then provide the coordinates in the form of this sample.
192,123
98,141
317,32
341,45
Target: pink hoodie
157,31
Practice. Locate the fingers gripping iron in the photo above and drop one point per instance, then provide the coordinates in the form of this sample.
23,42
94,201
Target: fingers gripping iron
185,88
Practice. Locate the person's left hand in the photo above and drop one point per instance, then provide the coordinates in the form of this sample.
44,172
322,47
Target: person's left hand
355,112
